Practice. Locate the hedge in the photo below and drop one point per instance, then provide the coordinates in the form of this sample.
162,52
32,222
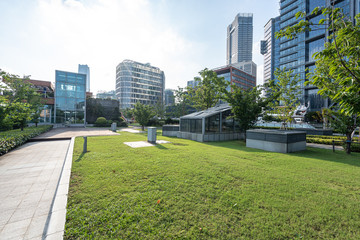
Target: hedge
14,138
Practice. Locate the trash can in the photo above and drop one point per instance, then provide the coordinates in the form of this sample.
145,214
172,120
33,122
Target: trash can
113,127
152,134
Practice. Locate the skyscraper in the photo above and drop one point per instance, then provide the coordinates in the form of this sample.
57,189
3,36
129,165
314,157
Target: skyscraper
297,53
85,70
270,48
138,82
239,39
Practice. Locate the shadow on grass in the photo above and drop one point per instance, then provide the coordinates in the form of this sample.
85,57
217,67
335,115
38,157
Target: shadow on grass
80,157
313,153
159,146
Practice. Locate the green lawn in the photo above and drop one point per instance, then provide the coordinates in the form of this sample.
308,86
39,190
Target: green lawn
222,190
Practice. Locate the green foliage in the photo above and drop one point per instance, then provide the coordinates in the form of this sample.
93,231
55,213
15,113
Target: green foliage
14,138
102,122
143,113
246,106
19,113
284,94
315,116
337,72
343,123
208,91
270,118
160,110
181,102
220,190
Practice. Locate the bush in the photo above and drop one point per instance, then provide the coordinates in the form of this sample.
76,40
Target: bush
123,124
269,118
354,147
171,121
14,138
102,122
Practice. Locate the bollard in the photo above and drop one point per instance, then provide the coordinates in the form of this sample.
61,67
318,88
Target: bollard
333,142
85,145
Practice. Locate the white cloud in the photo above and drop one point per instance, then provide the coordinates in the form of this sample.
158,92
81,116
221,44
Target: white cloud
104,33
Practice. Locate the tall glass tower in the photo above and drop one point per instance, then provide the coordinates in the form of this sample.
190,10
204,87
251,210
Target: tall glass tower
239,39
85,70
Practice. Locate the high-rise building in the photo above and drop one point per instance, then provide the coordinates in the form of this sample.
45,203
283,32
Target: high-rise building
70,97
236,76
297,53
270,48
106,94
138,82
169,97
85,70
240,39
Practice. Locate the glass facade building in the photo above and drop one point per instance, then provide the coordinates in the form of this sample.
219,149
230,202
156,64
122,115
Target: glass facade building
297,53
70,97
240,39
138,82
236,76
270,48
85,70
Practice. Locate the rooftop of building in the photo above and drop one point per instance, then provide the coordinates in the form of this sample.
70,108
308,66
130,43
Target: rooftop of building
208,112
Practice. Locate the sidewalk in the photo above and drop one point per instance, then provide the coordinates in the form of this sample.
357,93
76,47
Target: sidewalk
34,183
324,146
29,178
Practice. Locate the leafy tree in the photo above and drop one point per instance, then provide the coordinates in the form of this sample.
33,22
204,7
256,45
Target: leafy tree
208,91
181,102
143,113
116,116
246,106
344,124
19,113
160,109
128,113
284,94
337,72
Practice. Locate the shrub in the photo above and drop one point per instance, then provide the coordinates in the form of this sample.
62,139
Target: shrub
14,138
354,147
123,124
102,122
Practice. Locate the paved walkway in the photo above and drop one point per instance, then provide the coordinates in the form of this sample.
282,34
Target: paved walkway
34,183
324,146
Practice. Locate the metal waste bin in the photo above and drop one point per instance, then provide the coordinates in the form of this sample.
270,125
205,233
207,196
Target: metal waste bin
113,127
152,134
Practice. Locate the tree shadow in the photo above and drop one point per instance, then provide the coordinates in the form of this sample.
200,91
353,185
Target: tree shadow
159,146
80,157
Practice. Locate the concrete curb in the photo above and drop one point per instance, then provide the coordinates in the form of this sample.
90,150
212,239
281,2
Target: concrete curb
55,224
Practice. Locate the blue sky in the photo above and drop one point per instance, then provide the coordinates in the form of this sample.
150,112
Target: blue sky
181,37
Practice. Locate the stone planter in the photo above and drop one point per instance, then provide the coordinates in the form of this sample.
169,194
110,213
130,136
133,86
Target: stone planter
276,140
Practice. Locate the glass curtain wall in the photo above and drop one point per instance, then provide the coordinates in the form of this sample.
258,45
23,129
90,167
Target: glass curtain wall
70,97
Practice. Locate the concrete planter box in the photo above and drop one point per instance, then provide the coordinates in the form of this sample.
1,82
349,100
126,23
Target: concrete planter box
215,137
276,140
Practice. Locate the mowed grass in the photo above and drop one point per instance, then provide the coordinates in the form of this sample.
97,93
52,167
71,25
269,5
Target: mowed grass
222,190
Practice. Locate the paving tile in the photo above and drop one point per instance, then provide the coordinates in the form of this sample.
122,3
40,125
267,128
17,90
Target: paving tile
59,203
36,227
15,230
55,236
22,214
5,216
43,208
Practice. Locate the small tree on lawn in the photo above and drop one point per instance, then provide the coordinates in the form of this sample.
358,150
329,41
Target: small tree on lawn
208,91
181,102
284,92
160,110
142,114
246,106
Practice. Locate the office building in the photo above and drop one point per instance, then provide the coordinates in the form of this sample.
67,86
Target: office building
270,48
85,70
169,97
70,98
297,53
240,39
138,82
236,76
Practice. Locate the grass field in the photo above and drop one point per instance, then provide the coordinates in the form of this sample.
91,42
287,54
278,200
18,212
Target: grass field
222,190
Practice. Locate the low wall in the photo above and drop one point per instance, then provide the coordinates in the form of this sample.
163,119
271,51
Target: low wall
276,140
170,130
310,131
215,137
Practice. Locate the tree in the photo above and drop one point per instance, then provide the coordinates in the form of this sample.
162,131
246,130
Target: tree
337,72
284,92
160,110
20,100
181,102
208,91
143,113
344,124
19,113
246,106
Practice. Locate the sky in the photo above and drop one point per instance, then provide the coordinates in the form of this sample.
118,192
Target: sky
181,37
